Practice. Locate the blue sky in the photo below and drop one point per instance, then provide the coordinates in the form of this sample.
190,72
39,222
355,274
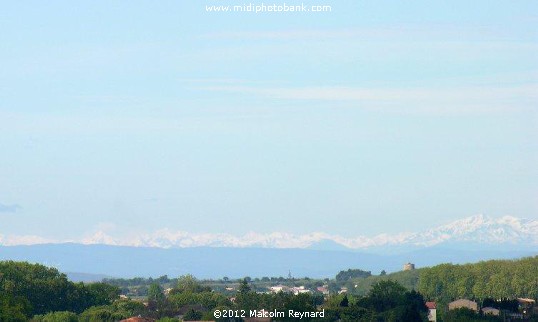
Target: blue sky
379,116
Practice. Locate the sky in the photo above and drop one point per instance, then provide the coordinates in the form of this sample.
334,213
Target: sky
127,117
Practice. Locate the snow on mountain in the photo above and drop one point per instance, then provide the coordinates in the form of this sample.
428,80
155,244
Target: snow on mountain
475,229
478,229
481,229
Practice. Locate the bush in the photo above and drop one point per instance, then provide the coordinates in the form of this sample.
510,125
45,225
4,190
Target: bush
62,316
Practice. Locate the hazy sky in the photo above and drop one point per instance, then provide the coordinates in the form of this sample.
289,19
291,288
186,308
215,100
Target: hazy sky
379,116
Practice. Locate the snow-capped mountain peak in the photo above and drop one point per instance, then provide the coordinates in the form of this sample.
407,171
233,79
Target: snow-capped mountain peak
481,229
477,229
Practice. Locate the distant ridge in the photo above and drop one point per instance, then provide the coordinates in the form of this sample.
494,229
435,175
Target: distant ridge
85,277
216,262
327,244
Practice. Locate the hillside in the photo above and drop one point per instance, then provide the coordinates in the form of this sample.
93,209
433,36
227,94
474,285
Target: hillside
445,282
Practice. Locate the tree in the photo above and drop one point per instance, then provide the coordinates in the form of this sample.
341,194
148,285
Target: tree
61,316
344,302
354,313
158,304
299,303
245,298
192,315
167,319
102,293
102,313
47,290
119,310
155,293
244,287
461,315
495,279
413,307
386,295
14,309
129,307
188,283
352,273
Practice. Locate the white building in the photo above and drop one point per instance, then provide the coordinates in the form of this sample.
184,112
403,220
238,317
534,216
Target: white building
300,290
432,311
279,288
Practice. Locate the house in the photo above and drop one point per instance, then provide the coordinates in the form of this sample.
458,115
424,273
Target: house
526,305
279,288
525,302
167,291
323,289
432,311
463,303
490,311
343,290
300,290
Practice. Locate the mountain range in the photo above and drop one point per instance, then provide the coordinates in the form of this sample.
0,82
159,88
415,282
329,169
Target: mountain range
315,255
507,231
478,229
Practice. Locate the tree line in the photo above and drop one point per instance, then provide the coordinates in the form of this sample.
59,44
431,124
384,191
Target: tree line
38,293
32,289
487,279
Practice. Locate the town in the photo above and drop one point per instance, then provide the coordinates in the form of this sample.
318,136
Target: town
444,293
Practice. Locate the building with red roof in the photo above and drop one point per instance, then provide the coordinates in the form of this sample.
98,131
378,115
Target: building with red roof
432,311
